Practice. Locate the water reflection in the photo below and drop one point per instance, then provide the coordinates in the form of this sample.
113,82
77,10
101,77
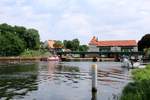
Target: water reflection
94,96
65,68
60,81
17,80
52,67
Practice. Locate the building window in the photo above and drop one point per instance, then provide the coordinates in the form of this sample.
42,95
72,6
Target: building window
126,49
104,49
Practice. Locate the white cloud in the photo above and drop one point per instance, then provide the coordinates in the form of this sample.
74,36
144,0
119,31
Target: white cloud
75,23
66,19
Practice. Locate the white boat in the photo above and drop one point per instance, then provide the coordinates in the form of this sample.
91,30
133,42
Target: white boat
126,63
136,64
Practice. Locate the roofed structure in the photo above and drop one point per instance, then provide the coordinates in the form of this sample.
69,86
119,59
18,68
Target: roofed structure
120,43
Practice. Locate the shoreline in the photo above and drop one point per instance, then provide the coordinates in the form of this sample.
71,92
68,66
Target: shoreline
38,58
88,59
19,59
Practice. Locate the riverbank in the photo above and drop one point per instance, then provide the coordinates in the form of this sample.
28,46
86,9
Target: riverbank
19,59
38,58
140,88
87,59
27,55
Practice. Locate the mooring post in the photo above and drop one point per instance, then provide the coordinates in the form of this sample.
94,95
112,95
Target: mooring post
94,78
94,96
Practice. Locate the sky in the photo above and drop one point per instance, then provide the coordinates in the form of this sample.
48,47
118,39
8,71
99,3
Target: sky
82,19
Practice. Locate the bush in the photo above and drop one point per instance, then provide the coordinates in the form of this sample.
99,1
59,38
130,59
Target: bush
140,88
35,53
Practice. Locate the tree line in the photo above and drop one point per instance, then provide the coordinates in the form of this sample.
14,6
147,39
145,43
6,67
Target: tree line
15,39
73,45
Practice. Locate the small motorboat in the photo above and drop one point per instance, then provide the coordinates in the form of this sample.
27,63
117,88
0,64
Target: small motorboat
53,58
50,58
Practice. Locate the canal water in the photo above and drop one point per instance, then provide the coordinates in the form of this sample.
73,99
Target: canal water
61,81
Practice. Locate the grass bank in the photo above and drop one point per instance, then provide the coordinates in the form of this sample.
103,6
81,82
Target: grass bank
140,88
35,53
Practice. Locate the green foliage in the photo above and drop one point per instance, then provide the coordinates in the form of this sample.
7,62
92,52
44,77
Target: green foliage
58,44
32,39
74,45
83,48
140,88
68,68
141,74
68,44
35,53
14,40
29,36
10,44
42,45
65,43
144,42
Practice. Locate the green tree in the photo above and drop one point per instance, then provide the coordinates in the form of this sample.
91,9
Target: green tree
29,36
20,31
65,43
69,45
10,44
5,27
144,43
75,44
83,48
32,39
72,44
58,44
14,40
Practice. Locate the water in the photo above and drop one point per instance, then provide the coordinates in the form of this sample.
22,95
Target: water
61,81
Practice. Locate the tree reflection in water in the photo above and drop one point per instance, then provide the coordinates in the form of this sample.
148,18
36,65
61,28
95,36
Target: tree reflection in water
17,80
65,68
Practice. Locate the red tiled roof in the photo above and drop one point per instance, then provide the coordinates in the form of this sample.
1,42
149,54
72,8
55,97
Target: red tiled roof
94,41
113,42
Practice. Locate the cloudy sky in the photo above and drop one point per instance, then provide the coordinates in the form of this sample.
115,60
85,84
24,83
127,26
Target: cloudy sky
68,19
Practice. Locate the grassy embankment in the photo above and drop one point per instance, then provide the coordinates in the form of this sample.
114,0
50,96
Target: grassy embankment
140,88
35,53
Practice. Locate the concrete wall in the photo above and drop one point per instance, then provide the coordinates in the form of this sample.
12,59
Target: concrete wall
93,48
135,49
116,49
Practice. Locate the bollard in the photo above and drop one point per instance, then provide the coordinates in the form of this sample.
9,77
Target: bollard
94,78
94,95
